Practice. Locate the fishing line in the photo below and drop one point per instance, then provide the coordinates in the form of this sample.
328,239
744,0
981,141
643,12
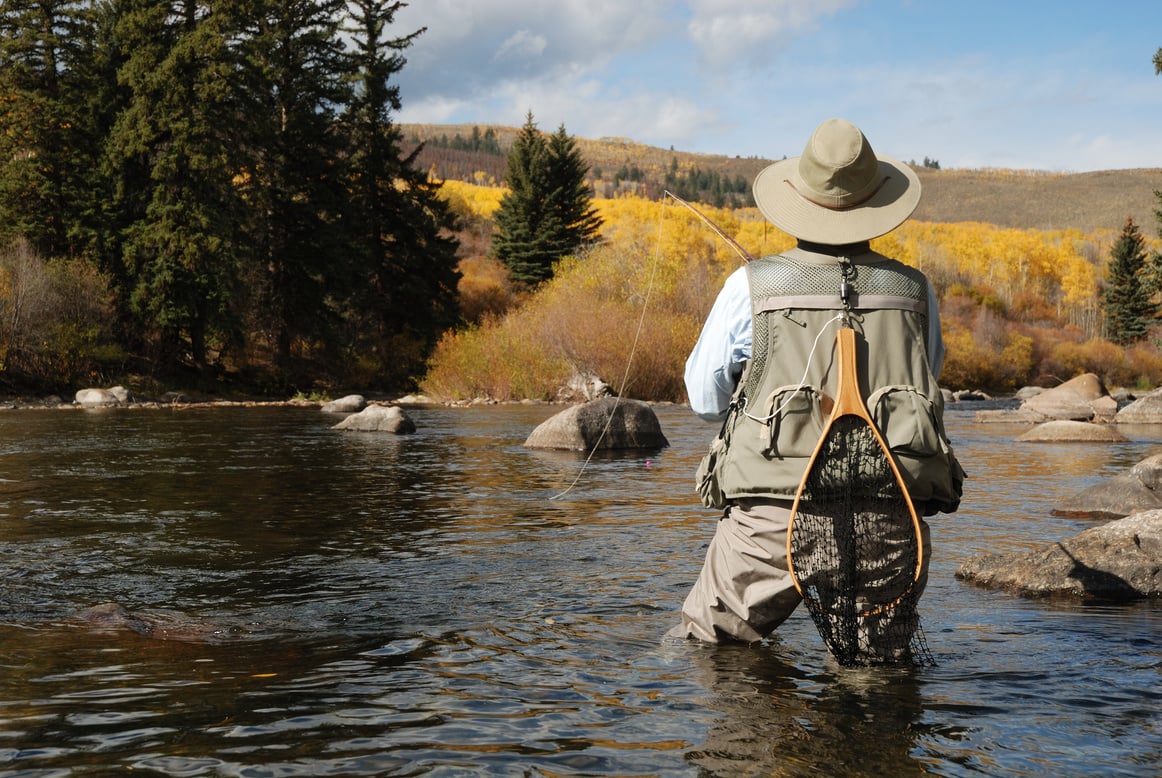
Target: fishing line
629,360
734,244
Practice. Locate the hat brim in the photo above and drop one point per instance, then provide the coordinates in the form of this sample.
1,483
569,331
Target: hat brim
776,192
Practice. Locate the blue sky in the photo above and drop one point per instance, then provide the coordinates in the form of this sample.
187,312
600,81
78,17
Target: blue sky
1057,85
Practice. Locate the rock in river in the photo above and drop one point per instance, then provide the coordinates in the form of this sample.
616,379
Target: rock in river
1121,560
96,398
1144,410
1137,489
631,424
1066,431
378,418
1082,398
352,403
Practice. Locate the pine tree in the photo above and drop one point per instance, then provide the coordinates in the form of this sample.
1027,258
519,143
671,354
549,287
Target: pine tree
570,199
48,150
294,81
176,161
407,265
546,213
1128,307
523,240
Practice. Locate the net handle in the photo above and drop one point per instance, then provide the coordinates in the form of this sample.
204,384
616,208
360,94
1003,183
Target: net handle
849,402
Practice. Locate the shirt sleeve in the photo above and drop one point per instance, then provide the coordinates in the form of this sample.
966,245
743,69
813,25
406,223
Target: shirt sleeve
935,336
723,348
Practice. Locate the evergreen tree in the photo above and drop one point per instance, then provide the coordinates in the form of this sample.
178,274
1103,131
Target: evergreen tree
523,240
1127,301
546,213
176,160
407,260
294,80
570,198
48,150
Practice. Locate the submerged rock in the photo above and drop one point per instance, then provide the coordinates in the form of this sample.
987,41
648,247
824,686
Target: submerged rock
1065,431
112,617
1121,561
631,424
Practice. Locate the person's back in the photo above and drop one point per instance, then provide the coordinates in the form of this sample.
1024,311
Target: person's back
766,364
791,377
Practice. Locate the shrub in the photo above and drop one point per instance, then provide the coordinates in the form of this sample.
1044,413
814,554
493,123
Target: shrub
973,363
498,360
485,289
55,318
625,312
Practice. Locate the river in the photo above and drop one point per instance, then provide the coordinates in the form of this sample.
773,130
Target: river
320,602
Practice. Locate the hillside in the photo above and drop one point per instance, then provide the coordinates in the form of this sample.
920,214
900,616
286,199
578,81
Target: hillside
1020,199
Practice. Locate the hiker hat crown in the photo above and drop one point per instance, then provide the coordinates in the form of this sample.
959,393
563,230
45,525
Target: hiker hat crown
838,191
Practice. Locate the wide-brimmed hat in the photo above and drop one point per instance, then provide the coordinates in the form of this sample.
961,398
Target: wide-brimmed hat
839,191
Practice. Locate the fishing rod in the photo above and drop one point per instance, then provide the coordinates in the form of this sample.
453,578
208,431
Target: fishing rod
734,244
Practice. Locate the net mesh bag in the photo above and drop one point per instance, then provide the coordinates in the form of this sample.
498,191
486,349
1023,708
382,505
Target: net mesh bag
854,549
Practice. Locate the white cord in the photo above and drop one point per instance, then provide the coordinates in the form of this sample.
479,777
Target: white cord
802,381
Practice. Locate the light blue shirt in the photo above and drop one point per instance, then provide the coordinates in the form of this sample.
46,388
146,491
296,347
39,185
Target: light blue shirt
714,366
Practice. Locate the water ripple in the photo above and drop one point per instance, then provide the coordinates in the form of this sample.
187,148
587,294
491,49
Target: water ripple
420,605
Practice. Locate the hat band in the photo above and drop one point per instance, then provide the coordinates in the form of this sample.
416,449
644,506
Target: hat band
832,206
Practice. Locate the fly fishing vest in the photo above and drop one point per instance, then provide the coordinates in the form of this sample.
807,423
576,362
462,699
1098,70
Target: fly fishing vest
784,398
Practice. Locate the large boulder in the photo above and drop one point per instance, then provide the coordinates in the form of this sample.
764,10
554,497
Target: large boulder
1083,398
1144,410
1137,489
1065,431
630,423
378,418
1121,561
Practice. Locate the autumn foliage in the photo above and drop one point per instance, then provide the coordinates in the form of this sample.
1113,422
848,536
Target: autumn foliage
1018,306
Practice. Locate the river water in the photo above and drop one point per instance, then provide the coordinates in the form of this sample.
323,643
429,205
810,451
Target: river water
311,602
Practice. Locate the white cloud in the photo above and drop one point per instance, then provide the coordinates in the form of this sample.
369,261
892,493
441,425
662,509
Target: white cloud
470,46
748,31
753,77
522,45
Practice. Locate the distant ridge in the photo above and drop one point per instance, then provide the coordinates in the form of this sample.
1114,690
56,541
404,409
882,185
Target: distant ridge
1022,199
1090,201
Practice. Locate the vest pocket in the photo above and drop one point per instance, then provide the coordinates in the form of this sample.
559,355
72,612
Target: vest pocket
794,421
907,420
707,478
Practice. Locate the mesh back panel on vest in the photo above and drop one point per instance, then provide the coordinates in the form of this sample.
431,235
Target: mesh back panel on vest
783,277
